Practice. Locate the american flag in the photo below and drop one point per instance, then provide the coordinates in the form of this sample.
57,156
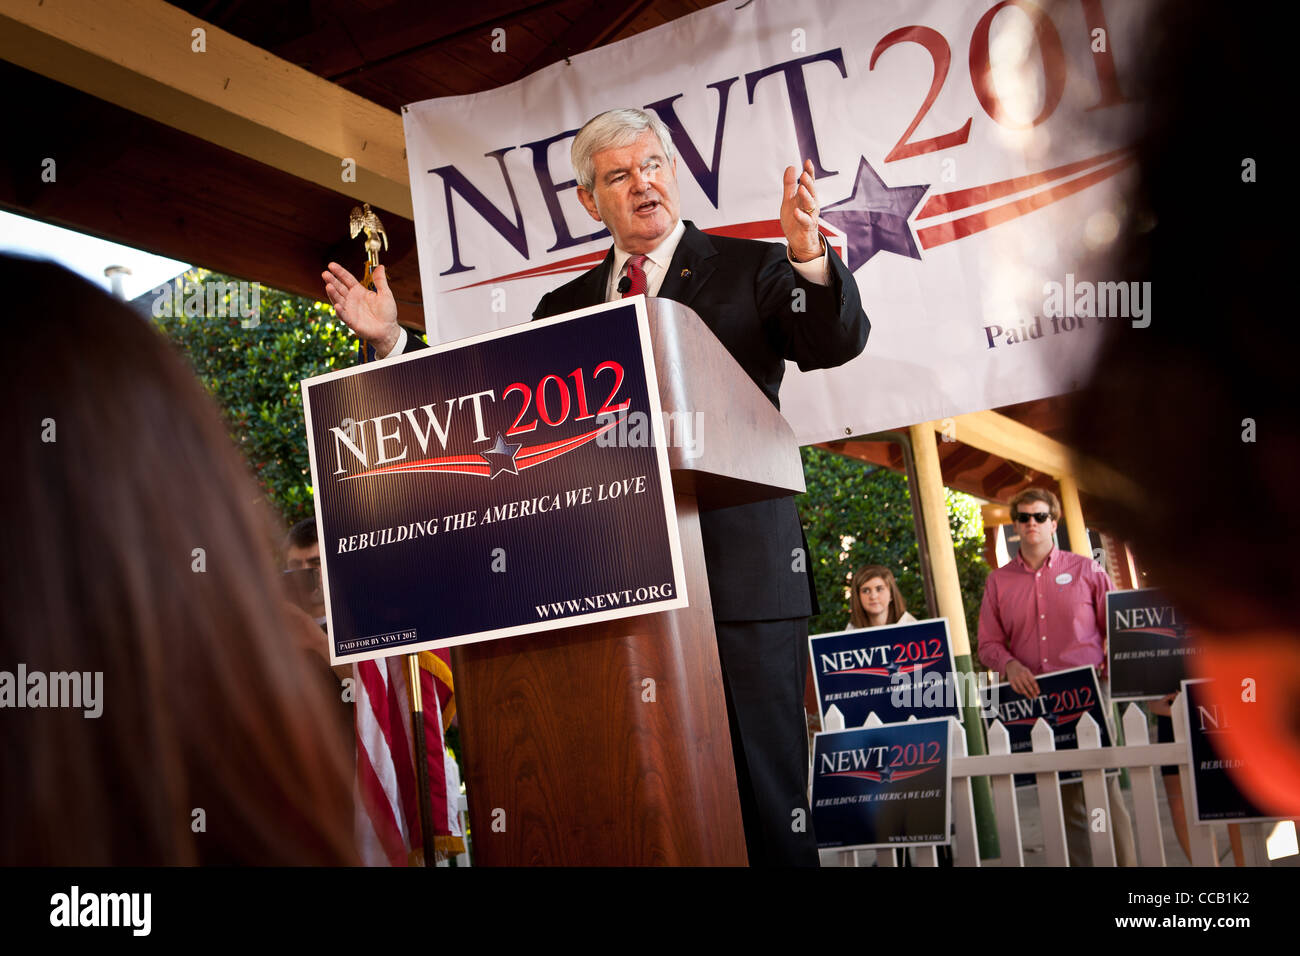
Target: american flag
387,804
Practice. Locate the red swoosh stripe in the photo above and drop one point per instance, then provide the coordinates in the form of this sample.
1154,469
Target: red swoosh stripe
861,774
576,264
758,229
942,203
536,454
475,465
765,229
933,236
904,774
460,464
879,671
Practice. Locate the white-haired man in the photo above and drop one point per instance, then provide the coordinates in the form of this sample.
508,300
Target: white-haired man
767,303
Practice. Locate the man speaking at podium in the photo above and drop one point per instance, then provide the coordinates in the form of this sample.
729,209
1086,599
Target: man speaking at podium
766,303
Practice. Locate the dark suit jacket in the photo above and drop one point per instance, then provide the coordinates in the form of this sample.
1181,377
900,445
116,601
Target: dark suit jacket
748,295
746,292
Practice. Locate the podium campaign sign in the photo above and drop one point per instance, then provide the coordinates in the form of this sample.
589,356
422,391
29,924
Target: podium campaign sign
491,487
1147,645
882,786
895,671
1064,697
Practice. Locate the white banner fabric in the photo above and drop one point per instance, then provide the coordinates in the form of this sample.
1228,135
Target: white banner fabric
970,158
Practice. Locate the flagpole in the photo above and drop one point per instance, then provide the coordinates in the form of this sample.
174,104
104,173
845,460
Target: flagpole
367,221
421,757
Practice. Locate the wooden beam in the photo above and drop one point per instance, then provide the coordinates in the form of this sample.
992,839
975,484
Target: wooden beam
994,515
155,188
1007,438
140,55
938,537
1072,512
1005,479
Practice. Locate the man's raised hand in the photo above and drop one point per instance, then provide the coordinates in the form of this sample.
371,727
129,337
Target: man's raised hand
799,212
371,315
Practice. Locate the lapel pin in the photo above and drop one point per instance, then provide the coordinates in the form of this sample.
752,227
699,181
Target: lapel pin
686,274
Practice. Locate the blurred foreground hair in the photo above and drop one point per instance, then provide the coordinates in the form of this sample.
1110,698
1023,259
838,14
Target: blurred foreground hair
208,704
1196,414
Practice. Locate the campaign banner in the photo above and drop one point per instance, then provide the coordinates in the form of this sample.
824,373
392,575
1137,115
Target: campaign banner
490,488
1215,797
886,786
969,159
1147,645
895,671
1064,696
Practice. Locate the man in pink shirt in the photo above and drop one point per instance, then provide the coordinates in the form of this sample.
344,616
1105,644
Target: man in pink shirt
1045,610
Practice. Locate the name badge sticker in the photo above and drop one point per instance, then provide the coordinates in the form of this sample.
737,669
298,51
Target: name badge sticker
1064,578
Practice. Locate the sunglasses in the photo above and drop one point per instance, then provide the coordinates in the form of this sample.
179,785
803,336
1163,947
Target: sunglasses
1022,517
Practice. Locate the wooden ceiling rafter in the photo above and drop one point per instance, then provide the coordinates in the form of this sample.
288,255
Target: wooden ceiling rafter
601,23
988,457
425,28
962,460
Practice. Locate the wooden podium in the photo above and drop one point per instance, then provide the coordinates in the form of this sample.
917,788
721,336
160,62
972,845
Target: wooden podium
573,756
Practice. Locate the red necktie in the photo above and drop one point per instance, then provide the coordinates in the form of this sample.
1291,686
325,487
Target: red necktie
637,276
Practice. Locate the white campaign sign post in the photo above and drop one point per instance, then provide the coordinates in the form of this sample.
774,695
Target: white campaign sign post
968,156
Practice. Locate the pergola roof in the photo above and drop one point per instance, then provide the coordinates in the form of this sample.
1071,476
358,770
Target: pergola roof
979,470
150,184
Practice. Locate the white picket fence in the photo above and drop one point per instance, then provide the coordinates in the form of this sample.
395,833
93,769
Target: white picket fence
1142,758
462,807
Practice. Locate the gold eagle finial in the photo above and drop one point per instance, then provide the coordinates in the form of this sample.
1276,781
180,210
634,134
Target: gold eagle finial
364,219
